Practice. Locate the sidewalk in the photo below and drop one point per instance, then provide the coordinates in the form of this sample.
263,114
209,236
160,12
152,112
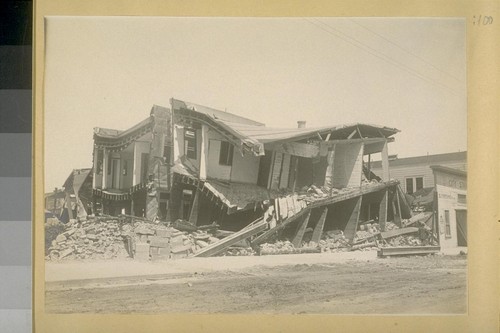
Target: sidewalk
66,271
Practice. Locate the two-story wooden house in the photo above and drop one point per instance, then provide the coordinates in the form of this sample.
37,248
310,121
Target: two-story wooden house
204,165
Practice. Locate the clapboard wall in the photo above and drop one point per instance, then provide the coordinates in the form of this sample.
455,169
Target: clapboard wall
419,166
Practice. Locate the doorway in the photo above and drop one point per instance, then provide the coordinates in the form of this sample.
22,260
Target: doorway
115,175
461,216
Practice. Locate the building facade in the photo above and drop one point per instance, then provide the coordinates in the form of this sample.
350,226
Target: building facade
414,173
450,206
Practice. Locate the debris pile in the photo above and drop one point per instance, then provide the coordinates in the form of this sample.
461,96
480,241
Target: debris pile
286,247
88,239
121,237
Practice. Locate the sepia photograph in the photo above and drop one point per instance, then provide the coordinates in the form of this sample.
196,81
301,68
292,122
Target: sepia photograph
278,165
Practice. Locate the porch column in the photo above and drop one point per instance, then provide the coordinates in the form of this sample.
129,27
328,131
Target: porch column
204,152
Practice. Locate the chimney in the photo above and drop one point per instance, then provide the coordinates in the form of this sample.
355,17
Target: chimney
301,124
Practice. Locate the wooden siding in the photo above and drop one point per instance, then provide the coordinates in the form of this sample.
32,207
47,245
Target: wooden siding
347,165
215,170
419,170
245,168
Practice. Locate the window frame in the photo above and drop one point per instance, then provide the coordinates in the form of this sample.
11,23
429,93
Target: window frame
190,144
228,151
447,225
413,184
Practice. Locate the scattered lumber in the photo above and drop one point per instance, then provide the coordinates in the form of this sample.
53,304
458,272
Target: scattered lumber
411,250
420,217
225,243
398,232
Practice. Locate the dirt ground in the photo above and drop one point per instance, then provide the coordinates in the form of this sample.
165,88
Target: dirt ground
409,285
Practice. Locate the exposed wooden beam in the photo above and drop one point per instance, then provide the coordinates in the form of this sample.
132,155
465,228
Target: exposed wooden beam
297,149
352,223
224,243
318,229
352,134
301,228
382,215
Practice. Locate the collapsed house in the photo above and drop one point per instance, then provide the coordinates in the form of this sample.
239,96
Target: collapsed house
202,165
74,199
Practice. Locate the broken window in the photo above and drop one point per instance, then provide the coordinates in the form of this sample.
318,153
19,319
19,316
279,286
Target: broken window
447,224
226,153
100,161
190,143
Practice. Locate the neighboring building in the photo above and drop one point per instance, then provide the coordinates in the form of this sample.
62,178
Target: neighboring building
75,199
414,173
204,165
450,205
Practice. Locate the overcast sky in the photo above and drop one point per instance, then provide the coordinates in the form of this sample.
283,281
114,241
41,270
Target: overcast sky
406,73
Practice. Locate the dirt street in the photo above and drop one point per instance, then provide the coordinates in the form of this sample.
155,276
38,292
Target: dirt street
414,285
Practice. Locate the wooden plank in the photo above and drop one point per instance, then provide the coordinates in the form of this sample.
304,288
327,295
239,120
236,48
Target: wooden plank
285,171
261,238
382,212
318,229
301,228
385,163
396,218
223,244
290,205
319,203
283,208
424,217
399,203
412,250
276,175
193,215
298,149
398,232
352,223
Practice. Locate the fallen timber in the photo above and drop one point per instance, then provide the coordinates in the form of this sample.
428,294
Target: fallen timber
223,244
415,250
354,193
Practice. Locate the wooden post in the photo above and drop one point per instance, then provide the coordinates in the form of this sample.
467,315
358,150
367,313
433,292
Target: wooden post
105,162
301,228
385,163
382,213
204,152
193,216
396,214
352,223
318,229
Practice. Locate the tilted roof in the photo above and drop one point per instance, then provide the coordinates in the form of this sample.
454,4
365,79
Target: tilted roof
252,136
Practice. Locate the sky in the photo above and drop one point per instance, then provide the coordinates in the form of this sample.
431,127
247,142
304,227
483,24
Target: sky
406,73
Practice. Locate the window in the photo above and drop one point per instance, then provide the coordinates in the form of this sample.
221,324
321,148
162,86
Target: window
109,164
100,160
409,185
190,143
413,184
419,183
226,153
462,199
125,167
447,223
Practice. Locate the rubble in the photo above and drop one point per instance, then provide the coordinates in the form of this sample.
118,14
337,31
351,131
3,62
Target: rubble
121,237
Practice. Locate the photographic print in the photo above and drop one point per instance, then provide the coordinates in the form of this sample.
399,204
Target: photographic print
255,165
